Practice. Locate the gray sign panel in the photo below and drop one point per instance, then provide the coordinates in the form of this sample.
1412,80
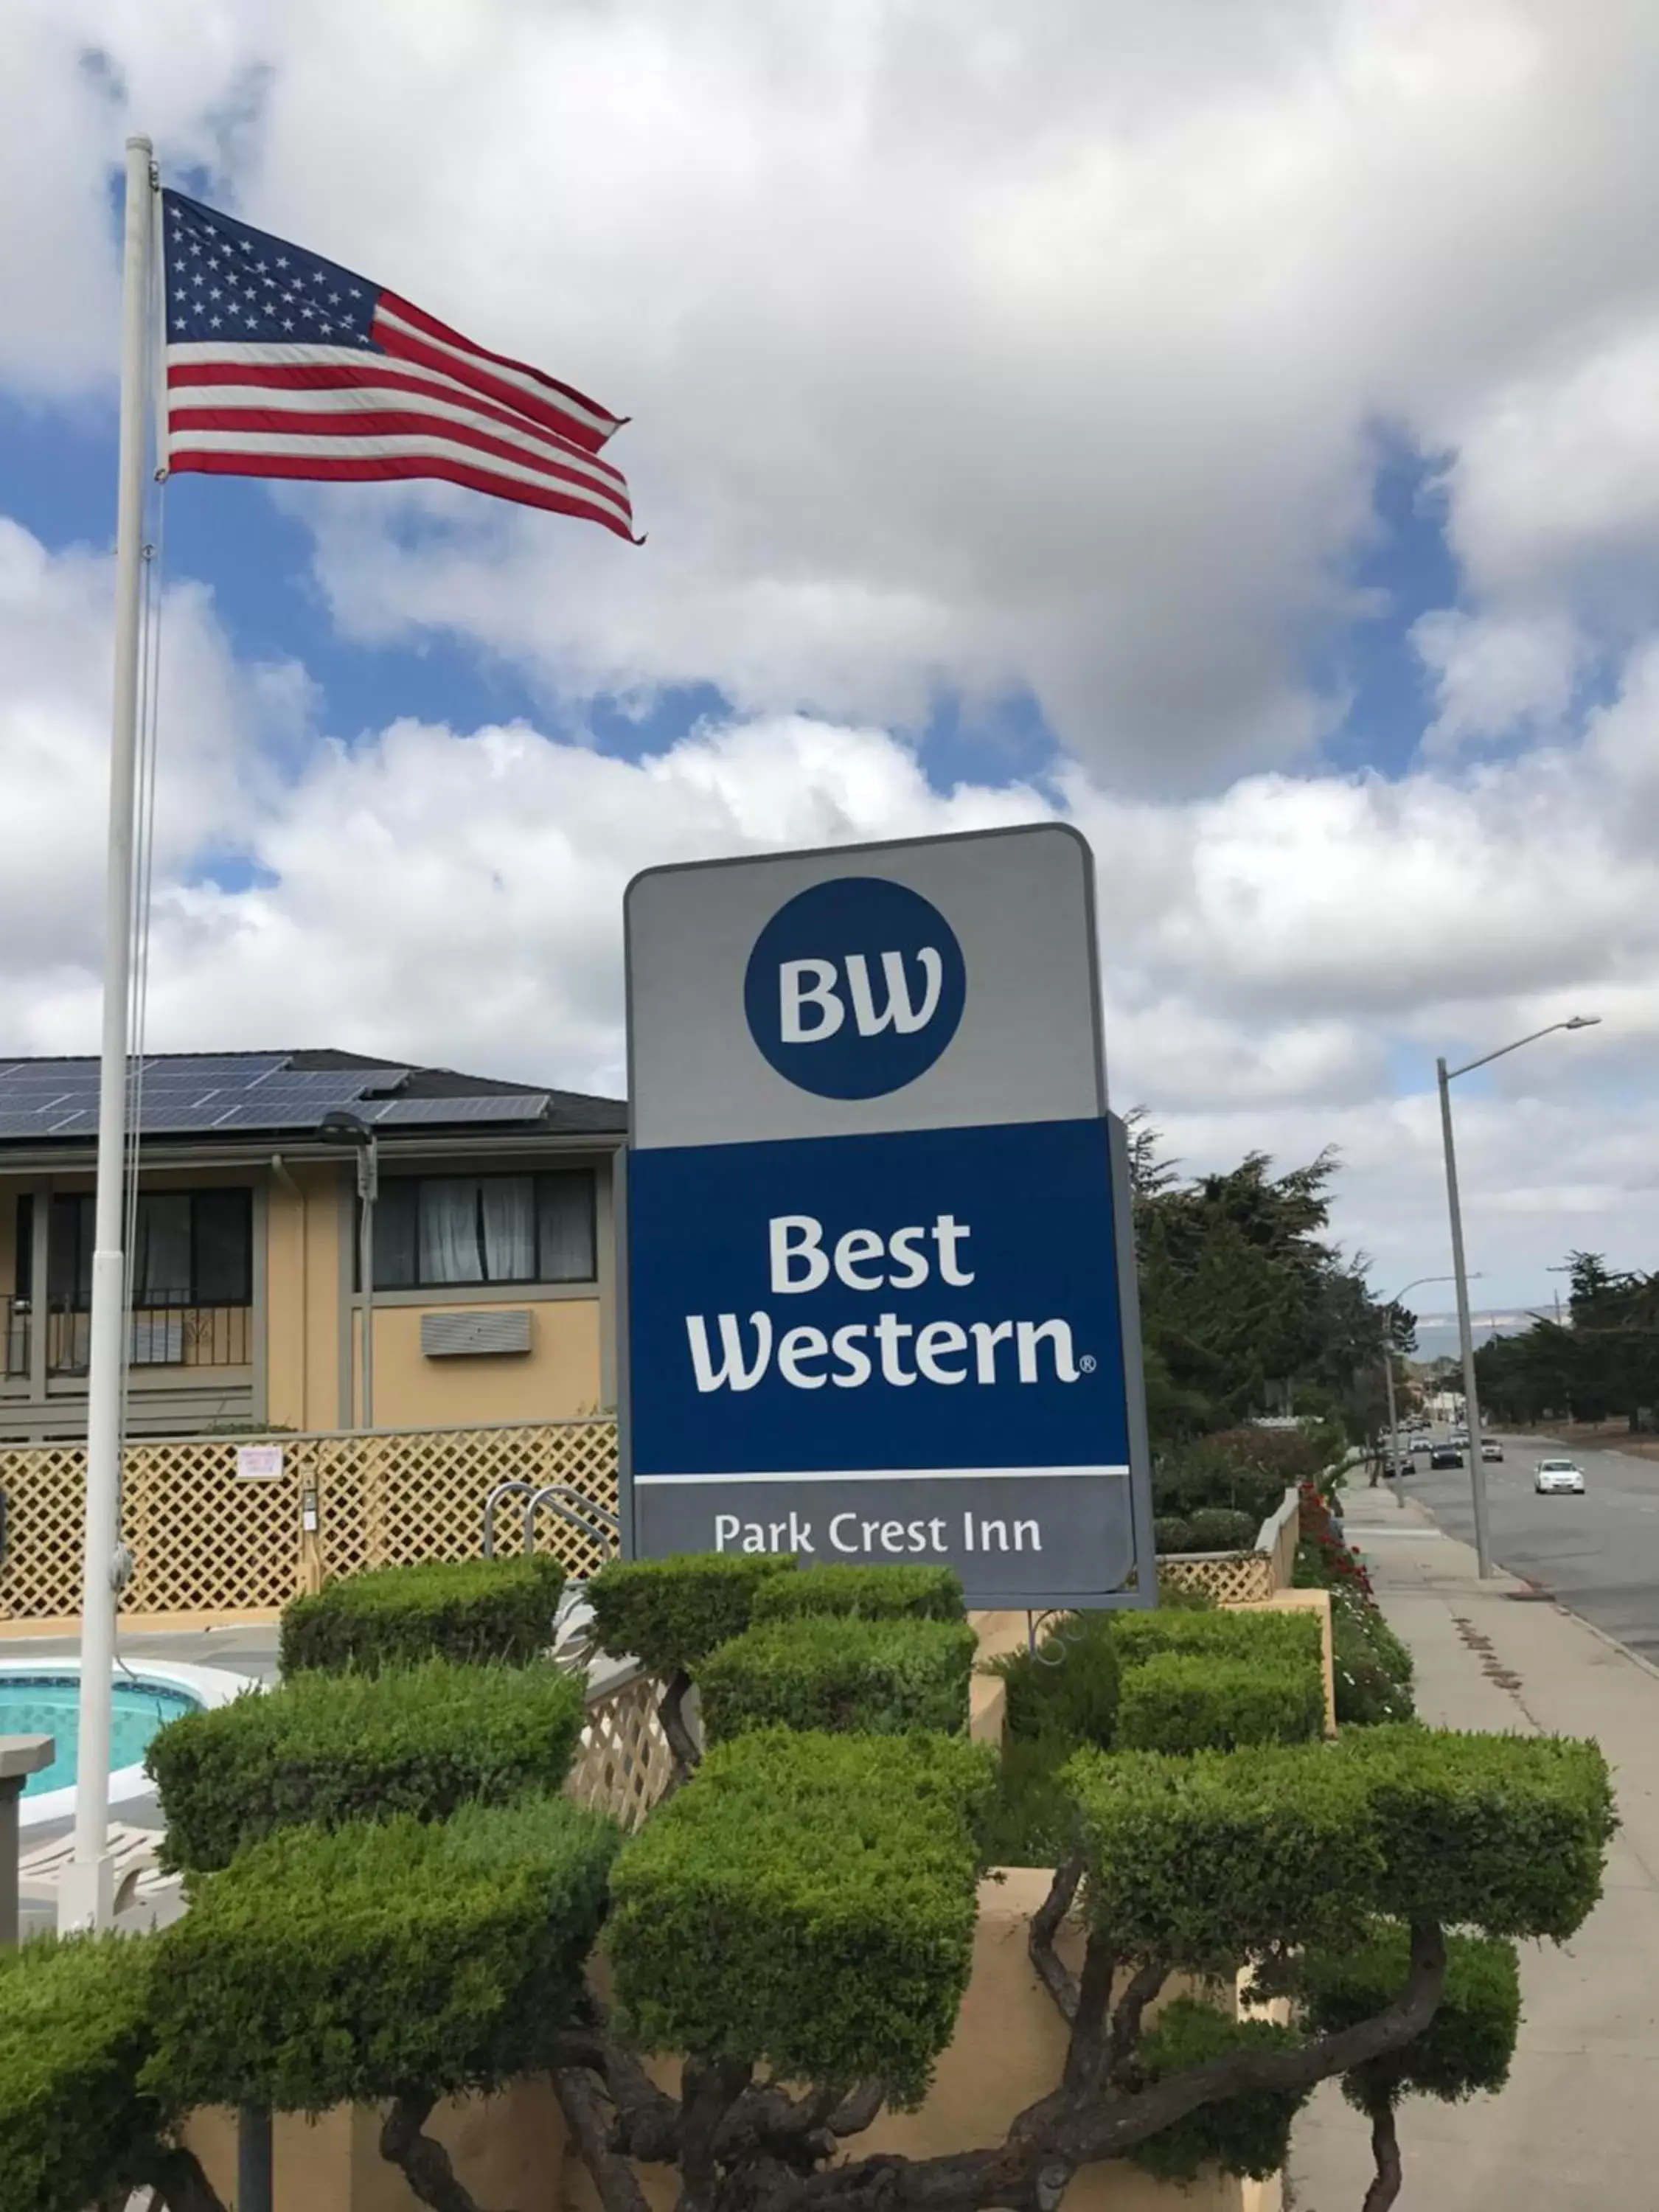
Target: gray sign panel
1021,904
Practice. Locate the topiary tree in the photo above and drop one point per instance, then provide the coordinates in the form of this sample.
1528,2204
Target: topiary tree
1465,2049
671,1613
796,1925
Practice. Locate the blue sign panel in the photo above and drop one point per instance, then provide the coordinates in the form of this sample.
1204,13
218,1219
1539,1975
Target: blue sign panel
931,1299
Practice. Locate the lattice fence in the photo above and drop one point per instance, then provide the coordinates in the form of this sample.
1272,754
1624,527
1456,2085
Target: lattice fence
1243,1578
1230,1577
205,1540
625,1763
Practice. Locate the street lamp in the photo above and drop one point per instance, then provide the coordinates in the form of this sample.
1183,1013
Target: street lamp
340,1123
1415,1284
1466,1338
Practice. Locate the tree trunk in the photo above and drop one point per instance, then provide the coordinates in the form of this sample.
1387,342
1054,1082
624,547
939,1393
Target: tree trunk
1385,2149
425,2162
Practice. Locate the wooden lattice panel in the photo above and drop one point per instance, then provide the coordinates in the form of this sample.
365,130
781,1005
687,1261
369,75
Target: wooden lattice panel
202,1539
205,1540
625,1763
45,1492
1241,1579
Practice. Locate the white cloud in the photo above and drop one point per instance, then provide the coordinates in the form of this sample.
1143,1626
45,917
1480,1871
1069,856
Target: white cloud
1278,960
1495,676
964,347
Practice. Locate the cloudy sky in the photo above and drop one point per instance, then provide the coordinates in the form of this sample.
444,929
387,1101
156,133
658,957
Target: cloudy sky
1232,425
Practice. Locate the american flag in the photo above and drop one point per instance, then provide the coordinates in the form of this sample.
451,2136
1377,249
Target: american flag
282,364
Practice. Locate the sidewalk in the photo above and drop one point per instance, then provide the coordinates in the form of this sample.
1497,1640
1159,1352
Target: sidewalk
1573,2130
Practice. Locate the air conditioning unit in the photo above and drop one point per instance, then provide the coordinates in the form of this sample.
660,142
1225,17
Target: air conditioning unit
486,1330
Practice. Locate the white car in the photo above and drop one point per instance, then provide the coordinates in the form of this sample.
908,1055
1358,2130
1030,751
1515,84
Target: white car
1490,1450
1558,1474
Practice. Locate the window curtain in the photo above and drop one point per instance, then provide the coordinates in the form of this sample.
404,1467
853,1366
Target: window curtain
450,1251
160,1259
565,1209
507,1222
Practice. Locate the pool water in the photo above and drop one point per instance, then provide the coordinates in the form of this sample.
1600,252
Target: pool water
49,1705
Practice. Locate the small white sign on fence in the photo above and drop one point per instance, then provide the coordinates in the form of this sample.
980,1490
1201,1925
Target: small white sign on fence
258,1462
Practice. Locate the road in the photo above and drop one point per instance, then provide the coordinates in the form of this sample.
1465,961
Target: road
1598,1554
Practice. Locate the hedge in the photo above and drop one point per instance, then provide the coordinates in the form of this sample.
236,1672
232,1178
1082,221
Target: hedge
807,1903
346,1966
671,1613
332,1748
74,2035
1067,1688
1501,1833
872,1592
1249,2135
1209,1529
841,1673
1204,1860
1467,2047
460,1609
1264,1635
1183,1701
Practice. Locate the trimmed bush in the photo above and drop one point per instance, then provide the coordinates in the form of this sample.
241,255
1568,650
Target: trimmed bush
347,1966
1249,2135
459,1609
1467,2047
1203,1860
1172,1533
327,1748
807,1903
870,1593
1181,1701
1067,1690
1502,1833
1221,1633
840,1674
74,2034
671,1613
1220,1528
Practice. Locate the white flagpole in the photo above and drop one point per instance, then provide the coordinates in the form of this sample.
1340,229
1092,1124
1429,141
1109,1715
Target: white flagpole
84,1897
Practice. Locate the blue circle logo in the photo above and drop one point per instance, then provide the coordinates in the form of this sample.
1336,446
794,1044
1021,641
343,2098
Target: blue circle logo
855,987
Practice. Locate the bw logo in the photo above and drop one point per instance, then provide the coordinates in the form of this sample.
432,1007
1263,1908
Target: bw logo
855,987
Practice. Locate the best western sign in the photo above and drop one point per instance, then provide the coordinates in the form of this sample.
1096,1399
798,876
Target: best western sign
878,1278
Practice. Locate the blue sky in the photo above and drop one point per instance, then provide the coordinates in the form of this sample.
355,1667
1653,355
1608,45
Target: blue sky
1246,449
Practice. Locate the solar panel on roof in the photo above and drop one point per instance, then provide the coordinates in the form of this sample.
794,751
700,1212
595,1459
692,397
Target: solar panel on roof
495,1106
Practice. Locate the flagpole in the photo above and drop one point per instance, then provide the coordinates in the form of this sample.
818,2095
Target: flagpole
85,1892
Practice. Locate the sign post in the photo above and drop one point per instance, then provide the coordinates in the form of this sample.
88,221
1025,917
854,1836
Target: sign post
878,1274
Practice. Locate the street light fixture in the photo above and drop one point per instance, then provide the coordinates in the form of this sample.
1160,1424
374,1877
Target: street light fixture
340,1123
1415,1284
1445,1077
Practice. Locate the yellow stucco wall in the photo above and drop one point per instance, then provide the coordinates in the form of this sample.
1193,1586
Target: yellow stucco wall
302,1297
557,1378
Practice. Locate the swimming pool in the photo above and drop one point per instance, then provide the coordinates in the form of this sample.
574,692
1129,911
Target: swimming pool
49,1705
42,1697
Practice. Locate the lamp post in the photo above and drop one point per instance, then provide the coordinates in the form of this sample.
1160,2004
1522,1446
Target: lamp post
340,1123
1446,1077
1415,1284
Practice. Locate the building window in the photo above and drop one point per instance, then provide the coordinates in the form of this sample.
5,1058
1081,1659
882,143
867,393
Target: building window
191,1248
431,1231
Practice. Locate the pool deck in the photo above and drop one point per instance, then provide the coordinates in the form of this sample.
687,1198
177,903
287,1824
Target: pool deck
251,1650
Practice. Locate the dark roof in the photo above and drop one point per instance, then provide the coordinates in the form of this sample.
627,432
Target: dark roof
290,1094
